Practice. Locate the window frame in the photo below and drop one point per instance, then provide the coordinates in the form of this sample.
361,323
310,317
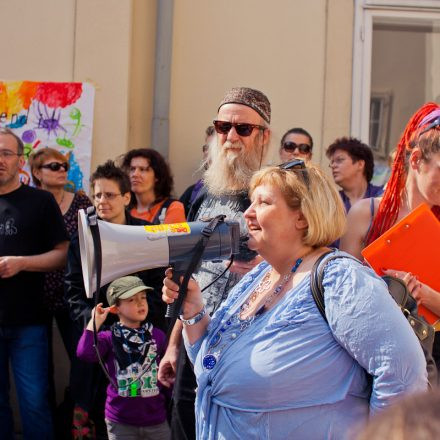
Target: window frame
364,14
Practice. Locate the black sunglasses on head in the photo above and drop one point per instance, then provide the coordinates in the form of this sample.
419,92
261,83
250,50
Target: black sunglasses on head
243,129
297,165
433,124
56,166
292,146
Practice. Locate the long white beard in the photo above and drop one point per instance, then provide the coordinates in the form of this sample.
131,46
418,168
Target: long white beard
232,166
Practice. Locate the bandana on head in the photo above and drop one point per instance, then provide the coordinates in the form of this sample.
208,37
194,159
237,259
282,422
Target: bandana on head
430,118
252,98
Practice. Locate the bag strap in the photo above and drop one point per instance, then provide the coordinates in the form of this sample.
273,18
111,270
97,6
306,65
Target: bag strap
92,218
159,218
197,202
423,331
317,276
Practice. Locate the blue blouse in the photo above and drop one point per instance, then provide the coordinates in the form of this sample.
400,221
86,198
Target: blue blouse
292,375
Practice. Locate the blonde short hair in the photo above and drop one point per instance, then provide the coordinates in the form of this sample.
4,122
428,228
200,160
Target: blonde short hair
311,191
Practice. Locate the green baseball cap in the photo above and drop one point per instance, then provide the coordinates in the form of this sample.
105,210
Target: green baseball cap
125,287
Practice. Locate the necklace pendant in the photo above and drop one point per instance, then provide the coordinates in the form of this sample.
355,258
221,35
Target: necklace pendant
209,361
216,339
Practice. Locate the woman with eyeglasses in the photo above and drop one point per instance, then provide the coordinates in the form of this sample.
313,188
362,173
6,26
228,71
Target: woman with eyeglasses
296,143
49,170
152,184
110,188
267,363
415,179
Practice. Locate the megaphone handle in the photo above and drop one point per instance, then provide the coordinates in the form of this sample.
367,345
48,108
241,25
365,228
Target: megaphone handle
173,310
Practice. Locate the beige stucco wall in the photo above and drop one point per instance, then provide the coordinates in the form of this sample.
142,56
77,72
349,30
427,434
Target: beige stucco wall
109,43
142,73
38,39
297,52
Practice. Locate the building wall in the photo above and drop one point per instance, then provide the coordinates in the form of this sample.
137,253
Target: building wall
140,102
298,53
38,38
109,43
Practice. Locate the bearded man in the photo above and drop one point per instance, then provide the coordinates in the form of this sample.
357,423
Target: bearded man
243,137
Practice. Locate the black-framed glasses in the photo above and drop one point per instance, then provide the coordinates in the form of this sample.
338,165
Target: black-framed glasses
297,165
56,166
243,129
292,146
433,124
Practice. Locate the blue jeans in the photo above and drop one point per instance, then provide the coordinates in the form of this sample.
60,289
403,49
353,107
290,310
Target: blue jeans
26,349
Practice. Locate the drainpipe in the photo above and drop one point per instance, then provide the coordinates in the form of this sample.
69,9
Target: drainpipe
162,77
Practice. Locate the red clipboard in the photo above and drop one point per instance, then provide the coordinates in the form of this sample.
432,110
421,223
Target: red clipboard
412,245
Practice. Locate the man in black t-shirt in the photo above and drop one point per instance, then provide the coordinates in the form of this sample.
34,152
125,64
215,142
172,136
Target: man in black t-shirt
243,137
33,240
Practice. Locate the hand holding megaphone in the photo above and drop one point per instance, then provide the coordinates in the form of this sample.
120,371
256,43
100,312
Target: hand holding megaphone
192,303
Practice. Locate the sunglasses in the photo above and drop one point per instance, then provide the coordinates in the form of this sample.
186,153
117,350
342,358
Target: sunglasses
242,129
292,146
296,165
433,124
56,166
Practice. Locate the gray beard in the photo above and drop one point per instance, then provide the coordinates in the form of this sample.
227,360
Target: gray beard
231,171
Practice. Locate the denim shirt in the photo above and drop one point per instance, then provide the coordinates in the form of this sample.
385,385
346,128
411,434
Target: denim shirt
292,375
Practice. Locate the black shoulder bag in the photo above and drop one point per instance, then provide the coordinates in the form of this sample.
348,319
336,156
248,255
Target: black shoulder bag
398,290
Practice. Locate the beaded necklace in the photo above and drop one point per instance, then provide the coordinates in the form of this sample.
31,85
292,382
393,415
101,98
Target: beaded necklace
235,325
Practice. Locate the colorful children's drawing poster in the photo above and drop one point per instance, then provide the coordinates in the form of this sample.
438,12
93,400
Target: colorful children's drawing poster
52,114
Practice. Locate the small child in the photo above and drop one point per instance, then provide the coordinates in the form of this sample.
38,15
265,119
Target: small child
137,408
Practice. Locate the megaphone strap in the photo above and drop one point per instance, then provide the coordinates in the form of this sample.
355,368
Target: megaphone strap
174,309
92,218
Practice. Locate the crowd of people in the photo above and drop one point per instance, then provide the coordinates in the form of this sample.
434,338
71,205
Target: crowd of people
250,354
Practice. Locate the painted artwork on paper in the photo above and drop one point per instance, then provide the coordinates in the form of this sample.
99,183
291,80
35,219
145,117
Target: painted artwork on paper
52,114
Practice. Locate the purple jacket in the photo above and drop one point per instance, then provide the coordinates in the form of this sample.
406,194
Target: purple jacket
137,411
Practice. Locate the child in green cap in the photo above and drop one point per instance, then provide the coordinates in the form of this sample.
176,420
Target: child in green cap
137,407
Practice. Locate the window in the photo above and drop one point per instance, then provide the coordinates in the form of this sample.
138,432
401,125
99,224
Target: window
396,65
380,108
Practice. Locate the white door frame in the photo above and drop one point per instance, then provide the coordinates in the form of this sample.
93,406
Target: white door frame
364,13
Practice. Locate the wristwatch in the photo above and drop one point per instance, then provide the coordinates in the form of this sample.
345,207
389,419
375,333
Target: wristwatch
195,319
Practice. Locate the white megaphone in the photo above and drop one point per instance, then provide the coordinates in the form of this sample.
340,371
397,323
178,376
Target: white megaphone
128,249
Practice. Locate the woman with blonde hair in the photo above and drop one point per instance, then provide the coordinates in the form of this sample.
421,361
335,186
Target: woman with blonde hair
268,363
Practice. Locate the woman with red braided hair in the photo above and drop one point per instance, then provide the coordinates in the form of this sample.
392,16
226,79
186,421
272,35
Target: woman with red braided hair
415,179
